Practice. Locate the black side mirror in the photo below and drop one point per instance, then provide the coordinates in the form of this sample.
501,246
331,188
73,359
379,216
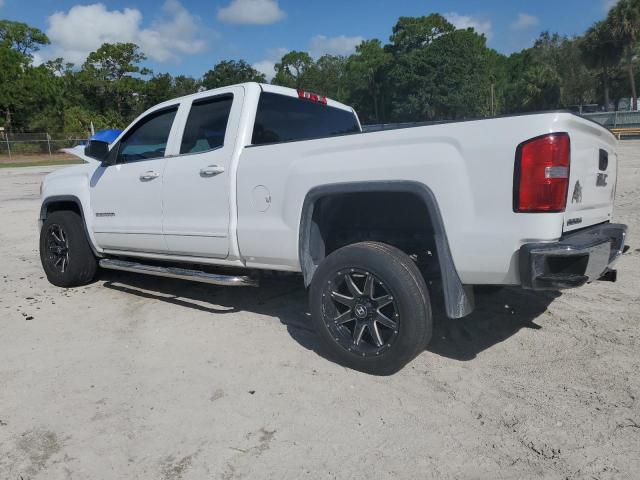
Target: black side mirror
97,149
112,156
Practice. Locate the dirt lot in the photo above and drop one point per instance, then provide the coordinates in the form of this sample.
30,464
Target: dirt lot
134,377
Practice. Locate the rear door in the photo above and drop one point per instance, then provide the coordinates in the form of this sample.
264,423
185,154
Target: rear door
592,177
197,176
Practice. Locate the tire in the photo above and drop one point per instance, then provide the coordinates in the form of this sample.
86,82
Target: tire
65,253
354,294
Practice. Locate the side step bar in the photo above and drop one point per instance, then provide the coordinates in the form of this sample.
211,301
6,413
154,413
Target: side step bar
181,273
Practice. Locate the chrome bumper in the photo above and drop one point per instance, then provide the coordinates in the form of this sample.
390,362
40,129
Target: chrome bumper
576,259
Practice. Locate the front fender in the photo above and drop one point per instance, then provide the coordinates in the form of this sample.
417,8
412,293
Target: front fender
70,185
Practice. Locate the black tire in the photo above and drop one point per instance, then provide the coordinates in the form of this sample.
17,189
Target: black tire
65,253
377,348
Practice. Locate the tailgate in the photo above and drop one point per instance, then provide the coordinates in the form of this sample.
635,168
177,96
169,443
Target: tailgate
592,177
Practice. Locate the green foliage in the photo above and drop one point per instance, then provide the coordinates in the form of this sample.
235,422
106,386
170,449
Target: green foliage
447,78
327,76
623,21
115,61
411,33
429,70
367,72
21,37
231,72
292,69
108,82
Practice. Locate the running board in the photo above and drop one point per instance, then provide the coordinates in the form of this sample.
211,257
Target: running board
180,273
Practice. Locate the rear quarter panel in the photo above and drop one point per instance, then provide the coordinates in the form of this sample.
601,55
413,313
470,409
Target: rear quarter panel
468,166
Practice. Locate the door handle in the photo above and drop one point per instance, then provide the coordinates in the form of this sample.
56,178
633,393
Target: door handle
211,171
150,175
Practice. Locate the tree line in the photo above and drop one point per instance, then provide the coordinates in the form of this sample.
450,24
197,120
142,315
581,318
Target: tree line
428,70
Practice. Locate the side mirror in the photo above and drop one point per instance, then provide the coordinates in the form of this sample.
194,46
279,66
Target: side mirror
112,156
97,149
100,151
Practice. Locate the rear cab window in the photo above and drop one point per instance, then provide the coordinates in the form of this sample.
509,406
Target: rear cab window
281,118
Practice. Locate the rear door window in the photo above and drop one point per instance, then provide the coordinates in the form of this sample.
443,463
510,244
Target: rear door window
207,124
148,138
281,118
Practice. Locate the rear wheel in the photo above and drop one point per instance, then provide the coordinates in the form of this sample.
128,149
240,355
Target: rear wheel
66,256
370,305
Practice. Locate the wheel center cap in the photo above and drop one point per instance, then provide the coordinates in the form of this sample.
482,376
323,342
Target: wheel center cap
361,311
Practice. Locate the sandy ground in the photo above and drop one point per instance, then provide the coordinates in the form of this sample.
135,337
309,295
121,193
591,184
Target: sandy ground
136,377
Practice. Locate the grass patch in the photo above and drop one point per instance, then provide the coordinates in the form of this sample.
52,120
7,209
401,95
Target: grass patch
39,162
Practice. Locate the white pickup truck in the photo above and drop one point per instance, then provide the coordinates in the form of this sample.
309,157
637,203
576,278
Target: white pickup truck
258,177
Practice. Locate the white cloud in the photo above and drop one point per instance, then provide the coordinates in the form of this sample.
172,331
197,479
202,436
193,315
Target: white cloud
340,45
251,12
524,21
84,28
267,66
175,33
1,3
469,21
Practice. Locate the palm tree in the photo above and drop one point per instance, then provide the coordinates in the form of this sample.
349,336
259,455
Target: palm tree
624,23
600,51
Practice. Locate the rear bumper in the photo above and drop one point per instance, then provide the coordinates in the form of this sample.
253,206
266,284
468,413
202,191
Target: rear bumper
577,258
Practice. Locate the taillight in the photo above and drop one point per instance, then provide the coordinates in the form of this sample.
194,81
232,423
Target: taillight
541,177
314,97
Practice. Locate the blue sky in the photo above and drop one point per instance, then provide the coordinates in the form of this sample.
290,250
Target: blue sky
190,36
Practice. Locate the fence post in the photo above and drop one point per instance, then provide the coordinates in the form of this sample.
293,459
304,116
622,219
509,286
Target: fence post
49,143
8,145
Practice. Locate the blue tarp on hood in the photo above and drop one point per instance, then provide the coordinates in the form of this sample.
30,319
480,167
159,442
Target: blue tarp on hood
106,135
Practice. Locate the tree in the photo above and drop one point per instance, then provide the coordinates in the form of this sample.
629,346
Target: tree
18,41
107,78
231,72
114,61
291,70
185,85
411,33
448,78
21,37
624,22
327,76
600,51
367,70
158,89
561,55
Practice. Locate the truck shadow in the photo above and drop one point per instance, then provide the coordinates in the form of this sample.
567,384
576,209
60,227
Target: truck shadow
497,317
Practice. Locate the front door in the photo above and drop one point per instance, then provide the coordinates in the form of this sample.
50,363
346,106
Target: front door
126,198
197,177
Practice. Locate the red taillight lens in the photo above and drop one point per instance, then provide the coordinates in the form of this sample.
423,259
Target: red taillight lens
541,176
314,97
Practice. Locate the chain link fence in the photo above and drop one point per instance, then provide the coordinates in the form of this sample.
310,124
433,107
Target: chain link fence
16,145
610,120
617,119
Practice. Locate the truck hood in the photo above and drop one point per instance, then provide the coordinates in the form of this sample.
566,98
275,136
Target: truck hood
78,151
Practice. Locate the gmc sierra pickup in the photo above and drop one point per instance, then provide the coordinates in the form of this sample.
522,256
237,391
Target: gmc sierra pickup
258,177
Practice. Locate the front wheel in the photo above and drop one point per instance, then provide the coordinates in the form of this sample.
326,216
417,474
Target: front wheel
66,256
370,306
